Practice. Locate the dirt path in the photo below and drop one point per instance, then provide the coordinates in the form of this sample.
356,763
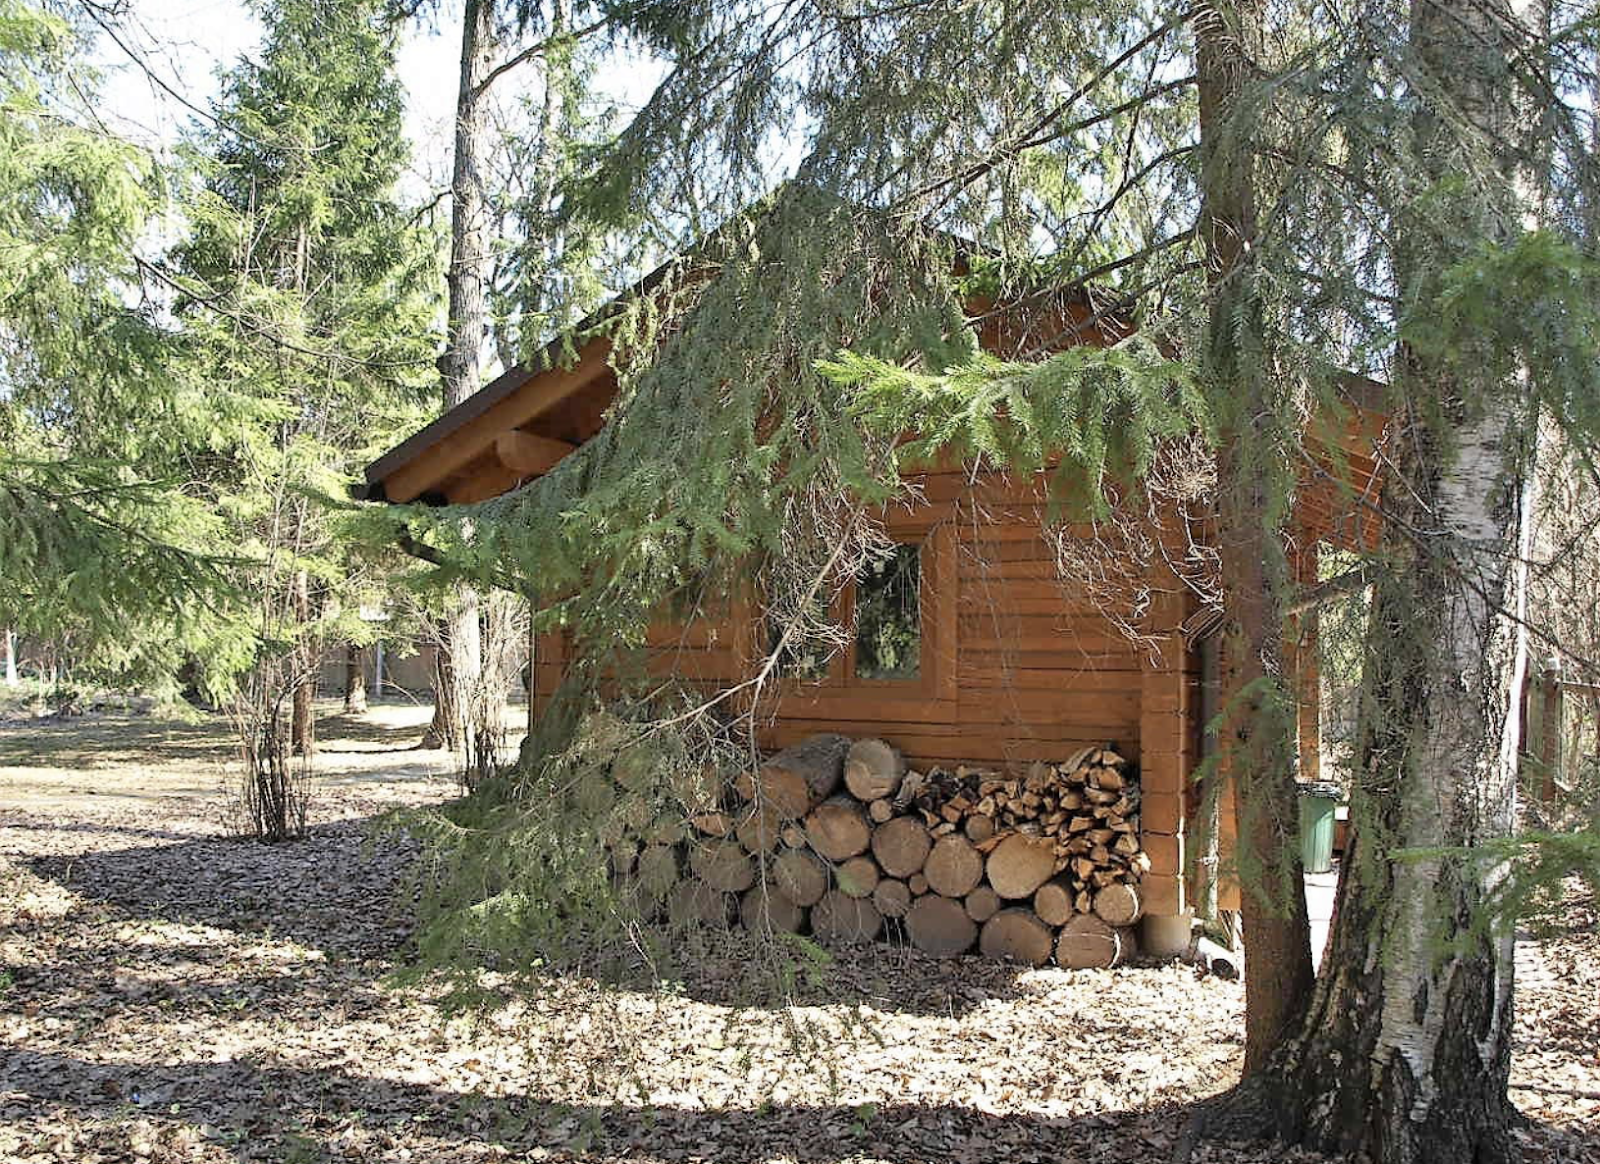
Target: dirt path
168,994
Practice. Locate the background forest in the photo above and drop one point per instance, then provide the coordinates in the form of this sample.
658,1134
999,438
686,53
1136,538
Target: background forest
1285,205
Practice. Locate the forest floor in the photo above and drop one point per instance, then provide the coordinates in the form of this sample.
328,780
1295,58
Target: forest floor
168,993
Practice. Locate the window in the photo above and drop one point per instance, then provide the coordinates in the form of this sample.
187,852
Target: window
888,596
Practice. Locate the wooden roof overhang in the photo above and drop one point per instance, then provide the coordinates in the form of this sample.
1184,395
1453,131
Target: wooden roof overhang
523,423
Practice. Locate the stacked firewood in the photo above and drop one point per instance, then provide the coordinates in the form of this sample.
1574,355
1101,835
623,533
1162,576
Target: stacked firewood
838,837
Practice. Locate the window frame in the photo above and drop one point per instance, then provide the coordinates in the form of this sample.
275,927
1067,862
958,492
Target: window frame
931,696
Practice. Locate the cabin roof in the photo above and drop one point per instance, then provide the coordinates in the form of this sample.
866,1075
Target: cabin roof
521,424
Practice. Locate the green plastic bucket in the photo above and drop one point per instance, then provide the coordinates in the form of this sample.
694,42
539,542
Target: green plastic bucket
1318,803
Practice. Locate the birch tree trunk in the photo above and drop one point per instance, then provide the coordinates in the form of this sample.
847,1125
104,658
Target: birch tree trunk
10,648
1406,1052
1255,750
459,661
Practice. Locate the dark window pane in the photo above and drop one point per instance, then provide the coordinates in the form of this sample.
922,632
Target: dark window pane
889,616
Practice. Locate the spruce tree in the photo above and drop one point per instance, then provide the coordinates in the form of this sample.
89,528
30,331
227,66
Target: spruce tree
306,291
102,544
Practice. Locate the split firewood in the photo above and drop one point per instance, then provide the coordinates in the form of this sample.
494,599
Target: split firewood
1016,934
940,925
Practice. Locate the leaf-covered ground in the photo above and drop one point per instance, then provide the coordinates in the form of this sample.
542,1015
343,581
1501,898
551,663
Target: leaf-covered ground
169,994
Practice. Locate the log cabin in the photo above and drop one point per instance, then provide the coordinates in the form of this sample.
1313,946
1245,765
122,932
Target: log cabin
997,660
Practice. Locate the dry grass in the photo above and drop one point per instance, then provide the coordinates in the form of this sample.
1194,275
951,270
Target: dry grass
168,994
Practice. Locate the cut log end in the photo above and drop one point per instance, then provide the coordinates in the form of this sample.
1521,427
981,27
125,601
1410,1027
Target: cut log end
940,925
842,918
1017,935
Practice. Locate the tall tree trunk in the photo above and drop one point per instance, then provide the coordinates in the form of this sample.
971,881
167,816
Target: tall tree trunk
11,657
459,660
355,681
1406,1051
303,727
1255,750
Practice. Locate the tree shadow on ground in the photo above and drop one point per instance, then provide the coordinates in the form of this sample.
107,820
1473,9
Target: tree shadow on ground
338,892
265,1109
336,732
332,891
115,741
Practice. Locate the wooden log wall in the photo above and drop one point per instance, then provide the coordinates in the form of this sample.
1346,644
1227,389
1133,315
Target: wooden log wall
1016,669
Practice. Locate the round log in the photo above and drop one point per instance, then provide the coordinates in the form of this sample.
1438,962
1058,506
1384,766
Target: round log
979,828
873,770
891,897
658,871
982,904
1017,935
858,876
759,828
838,829
901,846
694,903
880,811
940,925
954,867
844,918
1118,905
800,877
918,884
1053,901
793,836
1086,942
724,866
764,909
1018,865
799,778
712,824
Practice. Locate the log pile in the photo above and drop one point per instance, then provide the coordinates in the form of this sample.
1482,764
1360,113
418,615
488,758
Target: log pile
838,838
